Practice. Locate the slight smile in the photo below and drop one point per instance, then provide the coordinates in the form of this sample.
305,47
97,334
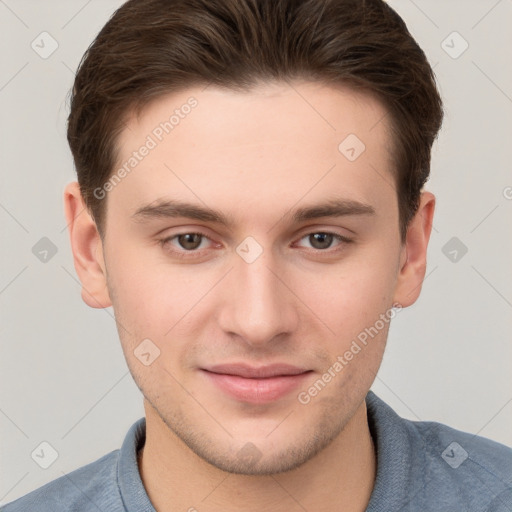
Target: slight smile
256,385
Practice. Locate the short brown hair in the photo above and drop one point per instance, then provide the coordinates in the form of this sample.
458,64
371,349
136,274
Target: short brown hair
150,48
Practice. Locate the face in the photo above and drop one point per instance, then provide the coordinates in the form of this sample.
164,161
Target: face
232,323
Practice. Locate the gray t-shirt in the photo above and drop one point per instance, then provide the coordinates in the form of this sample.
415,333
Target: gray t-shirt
421,467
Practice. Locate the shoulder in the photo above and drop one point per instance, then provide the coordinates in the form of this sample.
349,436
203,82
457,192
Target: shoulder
426,466
89,488
461,449
458,465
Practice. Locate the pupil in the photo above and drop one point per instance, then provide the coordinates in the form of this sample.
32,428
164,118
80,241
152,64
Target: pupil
188,240
322,238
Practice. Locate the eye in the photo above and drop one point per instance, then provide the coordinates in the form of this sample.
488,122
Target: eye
185,243
322,240
190,244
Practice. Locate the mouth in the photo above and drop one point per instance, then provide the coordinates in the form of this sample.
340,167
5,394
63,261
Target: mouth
256,385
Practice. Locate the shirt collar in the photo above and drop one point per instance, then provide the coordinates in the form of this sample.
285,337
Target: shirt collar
132,490
400,475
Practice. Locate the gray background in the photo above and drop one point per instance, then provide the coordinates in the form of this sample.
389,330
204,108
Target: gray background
64,379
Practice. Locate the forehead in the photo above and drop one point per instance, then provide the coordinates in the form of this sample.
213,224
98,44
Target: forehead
280,142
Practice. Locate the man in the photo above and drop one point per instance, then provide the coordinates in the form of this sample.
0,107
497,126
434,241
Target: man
250,201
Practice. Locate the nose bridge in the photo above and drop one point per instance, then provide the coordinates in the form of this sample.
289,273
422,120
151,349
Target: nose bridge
260,307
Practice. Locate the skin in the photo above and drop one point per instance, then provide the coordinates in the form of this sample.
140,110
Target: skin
255,156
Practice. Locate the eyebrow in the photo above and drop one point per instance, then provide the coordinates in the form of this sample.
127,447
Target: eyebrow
174,208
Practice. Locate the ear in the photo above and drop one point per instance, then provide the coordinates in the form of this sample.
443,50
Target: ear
413,257
87,249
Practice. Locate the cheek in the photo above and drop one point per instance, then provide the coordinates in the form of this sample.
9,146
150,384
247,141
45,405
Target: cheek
143,287
350,296
154,301
137,300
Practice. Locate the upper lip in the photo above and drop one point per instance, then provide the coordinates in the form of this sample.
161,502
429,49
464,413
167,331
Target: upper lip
252,372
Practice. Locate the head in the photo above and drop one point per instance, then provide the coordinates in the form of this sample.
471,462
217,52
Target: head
250,179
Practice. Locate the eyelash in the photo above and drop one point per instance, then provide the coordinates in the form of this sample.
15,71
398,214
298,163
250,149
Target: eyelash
194,253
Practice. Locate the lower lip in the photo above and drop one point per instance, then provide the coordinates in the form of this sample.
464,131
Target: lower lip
257,391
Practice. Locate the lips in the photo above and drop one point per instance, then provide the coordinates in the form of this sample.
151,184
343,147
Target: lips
261,372
256,385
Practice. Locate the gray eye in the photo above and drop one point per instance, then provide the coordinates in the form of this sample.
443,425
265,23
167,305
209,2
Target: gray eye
321,240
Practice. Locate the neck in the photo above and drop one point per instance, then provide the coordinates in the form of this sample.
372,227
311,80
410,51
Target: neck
341,477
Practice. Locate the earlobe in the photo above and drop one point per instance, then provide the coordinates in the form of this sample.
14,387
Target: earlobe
413,257
87,249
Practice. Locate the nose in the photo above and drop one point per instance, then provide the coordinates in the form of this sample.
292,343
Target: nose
259,306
